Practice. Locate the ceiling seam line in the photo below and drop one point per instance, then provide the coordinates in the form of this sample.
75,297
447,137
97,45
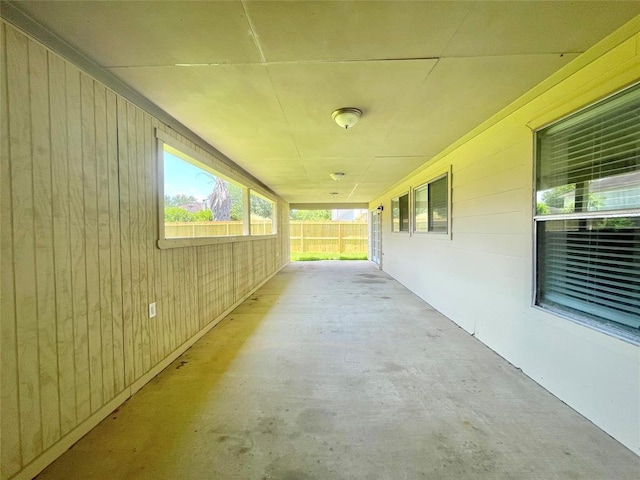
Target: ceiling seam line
471,8
256,41
406,107
337,62
254,35
16,18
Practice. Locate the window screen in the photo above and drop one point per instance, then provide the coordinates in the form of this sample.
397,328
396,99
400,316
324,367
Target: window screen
588,213
400,213
431,206
438,205
420,209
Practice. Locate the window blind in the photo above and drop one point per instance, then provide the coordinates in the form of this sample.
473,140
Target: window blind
594,155
589,265
404,213
400,214
437,205
420,209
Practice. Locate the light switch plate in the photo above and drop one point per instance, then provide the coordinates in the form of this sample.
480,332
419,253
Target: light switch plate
152,310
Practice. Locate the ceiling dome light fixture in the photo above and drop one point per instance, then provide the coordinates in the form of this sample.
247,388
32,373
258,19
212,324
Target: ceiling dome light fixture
337,176
347,117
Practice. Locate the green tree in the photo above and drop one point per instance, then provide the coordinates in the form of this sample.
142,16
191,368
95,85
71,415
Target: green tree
616,223
177,214
310,215
555,197
179,200
202,216
541,208
237,200
261,207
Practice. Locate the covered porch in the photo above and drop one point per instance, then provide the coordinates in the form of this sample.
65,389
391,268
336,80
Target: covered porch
334,370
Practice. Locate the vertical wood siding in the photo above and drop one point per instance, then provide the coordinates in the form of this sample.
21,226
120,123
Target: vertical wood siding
79,258
11,454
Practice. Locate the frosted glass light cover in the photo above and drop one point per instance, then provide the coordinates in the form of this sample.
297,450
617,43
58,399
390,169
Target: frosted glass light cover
346,117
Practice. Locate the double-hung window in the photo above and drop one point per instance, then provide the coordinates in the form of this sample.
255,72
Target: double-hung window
400,213
588,216
431,206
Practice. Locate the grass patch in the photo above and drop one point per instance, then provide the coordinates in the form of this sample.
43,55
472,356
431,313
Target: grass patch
312,256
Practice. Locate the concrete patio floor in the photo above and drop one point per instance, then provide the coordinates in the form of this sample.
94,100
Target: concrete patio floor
333,370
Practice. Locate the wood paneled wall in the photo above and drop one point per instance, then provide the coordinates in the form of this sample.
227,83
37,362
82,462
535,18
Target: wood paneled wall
79,258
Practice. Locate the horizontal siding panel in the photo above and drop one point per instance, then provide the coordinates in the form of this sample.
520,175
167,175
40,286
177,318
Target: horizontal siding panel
491,159
516,200
518,177
514,245
499,223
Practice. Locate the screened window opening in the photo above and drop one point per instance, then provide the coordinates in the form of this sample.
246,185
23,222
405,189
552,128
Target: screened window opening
588,215
431,207
400,213
420,209
198,201
262,215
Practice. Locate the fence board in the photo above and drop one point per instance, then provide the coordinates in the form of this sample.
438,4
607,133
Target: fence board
329,237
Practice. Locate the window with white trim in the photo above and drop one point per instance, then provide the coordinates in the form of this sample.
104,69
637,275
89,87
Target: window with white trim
588,216
400,213
431,206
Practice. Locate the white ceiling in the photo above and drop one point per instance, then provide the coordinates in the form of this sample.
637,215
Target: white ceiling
424,73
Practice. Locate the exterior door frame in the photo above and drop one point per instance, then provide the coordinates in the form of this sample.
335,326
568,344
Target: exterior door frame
375,248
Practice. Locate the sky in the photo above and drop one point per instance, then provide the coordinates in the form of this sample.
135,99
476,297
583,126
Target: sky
182,177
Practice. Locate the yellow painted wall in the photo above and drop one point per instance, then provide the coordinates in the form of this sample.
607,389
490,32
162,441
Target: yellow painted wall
79,258
482,277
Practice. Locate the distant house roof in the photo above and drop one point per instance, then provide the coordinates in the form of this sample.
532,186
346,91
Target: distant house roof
194,207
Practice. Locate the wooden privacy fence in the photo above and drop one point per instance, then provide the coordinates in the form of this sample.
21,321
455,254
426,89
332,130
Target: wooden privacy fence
329,237
213,229
306,236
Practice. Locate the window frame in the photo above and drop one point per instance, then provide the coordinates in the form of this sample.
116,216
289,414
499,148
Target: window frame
425,185
274,222
397,198
222,171
602,325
